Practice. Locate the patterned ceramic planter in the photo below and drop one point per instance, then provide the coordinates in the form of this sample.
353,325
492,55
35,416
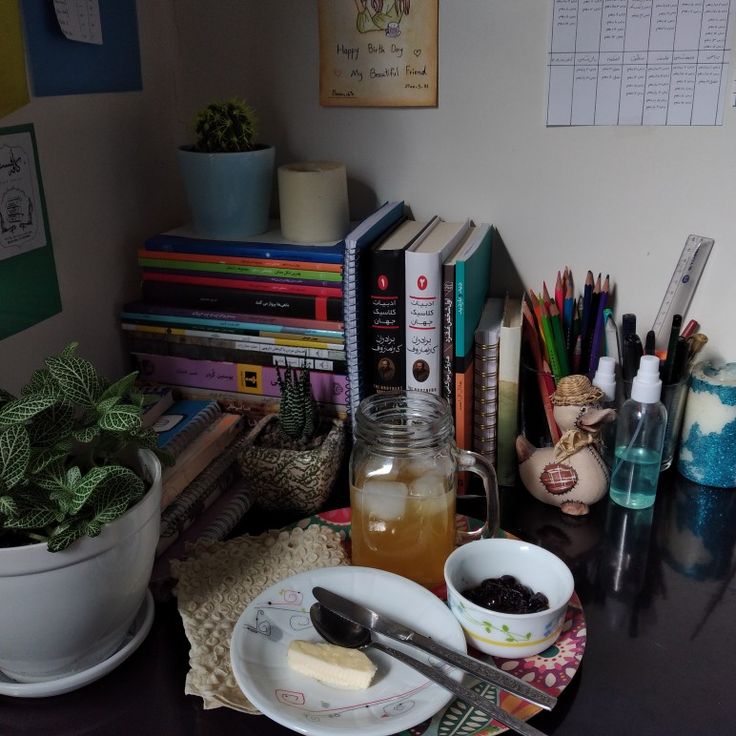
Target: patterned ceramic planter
292,479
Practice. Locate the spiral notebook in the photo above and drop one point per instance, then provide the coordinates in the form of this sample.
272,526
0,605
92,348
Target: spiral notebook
183,421
366,233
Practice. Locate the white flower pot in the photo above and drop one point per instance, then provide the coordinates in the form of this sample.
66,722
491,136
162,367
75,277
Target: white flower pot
63,612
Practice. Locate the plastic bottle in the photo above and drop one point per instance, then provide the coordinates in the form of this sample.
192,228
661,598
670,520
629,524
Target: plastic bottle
640,433
605,379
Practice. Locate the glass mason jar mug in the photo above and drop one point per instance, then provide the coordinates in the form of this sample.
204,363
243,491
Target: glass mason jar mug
403,481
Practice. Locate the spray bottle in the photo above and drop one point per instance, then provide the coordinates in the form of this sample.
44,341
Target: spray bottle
640,429
605,379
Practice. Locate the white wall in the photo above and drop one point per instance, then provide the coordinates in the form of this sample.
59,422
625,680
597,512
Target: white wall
609,199
616,200
108,168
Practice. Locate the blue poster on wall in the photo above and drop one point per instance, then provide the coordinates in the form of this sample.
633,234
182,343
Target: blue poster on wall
61,63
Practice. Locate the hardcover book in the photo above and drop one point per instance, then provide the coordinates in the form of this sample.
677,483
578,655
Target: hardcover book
423,312
509,360
268,264
148,261
386,330
268,245
244,378
212,297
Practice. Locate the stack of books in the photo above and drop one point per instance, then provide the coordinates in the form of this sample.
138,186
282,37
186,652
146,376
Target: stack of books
202,441
217,318
426,283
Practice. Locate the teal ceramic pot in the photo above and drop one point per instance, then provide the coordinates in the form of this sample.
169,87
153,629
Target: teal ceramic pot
229,194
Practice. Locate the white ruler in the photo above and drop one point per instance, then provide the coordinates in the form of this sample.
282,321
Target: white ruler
682,286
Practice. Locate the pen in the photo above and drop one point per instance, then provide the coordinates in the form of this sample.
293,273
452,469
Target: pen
595,345
613,349
669,361
632,356
649,342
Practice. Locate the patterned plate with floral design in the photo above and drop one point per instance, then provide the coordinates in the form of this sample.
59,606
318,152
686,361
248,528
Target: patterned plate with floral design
551,671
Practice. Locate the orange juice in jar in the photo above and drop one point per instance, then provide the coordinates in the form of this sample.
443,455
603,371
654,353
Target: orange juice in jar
402,485
405,522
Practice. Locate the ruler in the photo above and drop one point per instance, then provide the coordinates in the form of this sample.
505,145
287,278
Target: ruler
682,286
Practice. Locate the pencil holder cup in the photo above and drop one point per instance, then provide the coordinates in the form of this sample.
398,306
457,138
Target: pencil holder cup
533,422
674,398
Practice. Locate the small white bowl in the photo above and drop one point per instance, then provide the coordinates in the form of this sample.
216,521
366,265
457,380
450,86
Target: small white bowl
508,634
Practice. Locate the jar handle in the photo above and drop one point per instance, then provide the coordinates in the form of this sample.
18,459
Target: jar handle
475,463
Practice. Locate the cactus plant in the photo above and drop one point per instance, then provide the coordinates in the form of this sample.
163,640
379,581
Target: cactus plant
298,418
225,127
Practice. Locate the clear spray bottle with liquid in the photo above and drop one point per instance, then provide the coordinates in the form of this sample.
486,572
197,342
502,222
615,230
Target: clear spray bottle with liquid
605,380
640,429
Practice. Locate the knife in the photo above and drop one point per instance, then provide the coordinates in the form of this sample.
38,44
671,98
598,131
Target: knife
381,624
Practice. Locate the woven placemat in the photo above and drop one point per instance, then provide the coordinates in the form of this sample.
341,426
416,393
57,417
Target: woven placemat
216,583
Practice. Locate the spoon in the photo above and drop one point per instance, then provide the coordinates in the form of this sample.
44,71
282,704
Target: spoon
336,629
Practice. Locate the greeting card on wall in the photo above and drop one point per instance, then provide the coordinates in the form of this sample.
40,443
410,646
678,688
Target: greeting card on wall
29,291
378,53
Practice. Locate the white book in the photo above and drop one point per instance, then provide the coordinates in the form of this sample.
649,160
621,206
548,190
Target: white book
423,278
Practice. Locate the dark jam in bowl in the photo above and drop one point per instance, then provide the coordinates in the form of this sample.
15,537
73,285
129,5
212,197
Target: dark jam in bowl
506,595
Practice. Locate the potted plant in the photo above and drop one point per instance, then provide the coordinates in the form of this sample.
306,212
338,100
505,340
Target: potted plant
292,458
228,176
80,495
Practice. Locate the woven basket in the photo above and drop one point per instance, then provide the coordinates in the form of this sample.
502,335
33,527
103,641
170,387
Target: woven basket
292,480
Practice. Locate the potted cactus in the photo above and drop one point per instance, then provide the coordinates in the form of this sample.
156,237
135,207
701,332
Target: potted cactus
228,176
292,458
80,495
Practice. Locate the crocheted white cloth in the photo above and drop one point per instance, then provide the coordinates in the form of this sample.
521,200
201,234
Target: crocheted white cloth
216,583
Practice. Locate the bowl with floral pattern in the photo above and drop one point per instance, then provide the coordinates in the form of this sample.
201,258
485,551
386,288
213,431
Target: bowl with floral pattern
476,575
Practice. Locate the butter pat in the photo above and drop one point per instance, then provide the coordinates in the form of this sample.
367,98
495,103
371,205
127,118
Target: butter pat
349,669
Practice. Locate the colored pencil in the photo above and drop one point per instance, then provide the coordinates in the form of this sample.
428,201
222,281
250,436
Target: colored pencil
559,294
595,344
559,339
545,381
549,341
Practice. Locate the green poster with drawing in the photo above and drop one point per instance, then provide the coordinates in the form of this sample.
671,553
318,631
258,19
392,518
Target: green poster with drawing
29,291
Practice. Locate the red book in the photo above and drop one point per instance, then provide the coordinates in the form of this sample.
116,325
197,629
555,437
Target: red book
245,284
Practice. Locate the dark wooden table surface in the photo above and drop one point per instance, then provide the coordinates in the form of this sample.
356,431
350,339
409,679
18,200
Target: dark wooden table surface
659,596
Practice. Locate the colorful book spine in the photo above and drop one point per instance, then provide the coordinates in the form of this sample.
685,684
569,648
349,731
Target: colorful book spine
423,314
238,377
269,264
288,275
447,388
182,422
233,354
212,298
386,306
262,283
258,322
270,245
162,340
243,284
256,338
509,367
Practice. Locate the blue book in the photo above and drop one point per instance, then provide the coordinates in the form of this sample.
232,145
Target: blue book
271,244
472,274
183,421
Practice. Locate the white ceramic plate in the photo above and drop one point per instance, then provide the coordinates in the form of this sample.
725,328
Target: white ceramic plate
398,698
138,631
